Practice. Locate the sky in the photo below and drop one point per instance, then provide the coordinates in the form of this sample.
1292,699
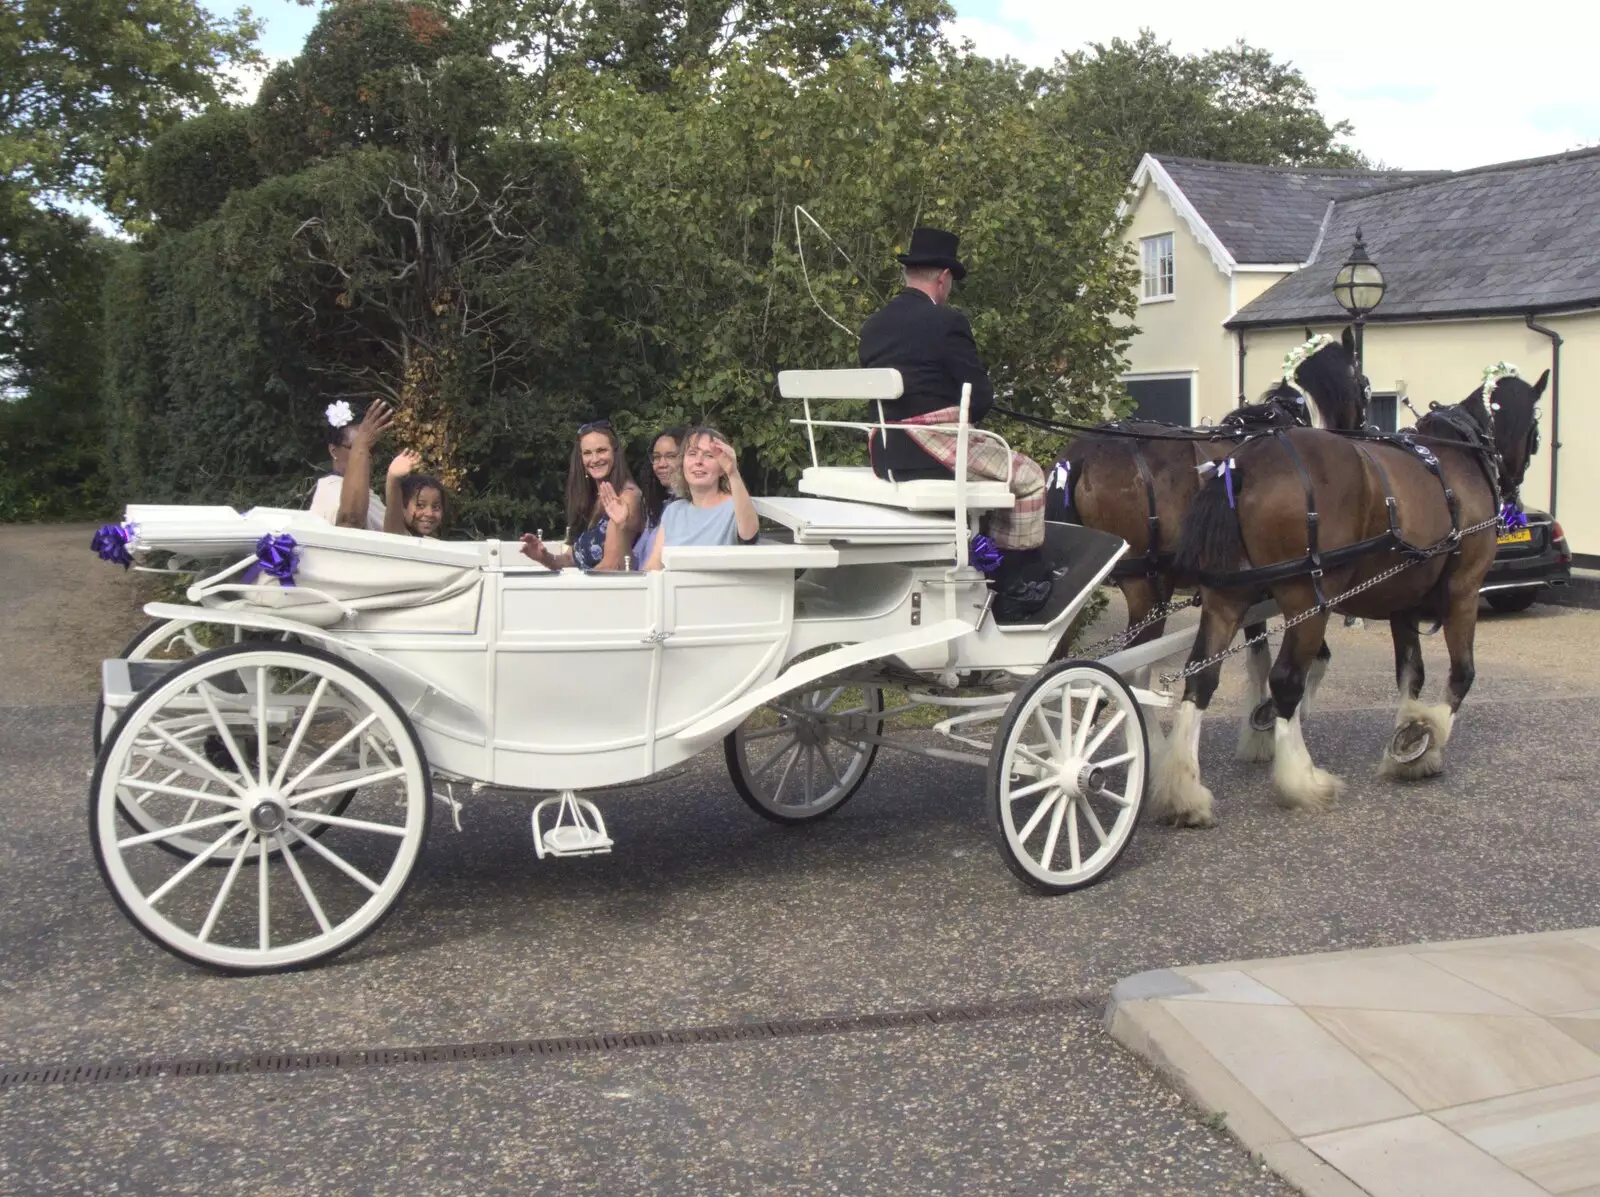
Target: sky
1475,85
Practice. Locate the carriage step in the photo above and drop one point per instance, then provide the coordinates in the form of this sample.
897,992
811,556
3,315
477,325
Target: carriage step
121,680
578,829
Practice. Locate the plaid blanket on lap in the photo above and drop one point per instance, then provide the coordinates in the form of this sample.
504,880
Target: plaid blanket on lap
1022,527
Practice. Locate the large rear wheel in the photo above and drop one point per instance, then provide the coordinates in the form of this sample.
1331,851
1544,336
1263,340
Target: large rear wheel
299,727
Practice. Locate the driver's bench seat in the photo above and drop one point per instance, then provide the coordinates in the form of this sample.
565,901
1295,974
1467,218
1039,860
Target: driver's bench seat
858,484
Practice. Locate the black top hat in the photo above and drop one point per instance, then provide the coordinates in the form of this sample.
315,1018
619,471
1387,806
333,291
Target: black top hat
934,247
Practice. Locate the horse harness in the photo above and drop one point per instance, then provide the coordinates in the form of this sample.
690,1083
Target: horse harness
1316,562
1155,562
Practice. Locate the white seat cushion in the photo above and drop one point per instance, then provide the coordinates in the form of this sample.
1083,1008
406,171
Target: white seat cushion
858,484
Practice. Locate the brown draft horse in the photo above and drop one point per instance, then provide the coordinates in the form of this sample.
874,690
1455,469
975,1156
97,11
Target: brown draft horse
1378,503
1138,487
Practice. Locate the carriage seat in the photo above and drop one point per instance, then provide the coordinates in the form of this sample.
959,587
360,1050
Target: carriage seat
858,484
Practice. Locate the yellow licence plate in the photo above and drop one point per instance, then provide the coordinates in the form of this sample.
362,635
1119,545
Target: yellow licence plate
1515,536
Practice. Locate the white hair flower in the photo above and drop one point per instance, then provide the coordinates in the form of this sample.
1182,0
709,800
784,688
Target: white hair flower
1296,357
339,414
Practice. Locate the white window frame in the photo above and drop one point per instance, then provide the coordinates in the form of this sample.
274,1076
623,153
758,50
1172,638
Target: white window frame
1157,267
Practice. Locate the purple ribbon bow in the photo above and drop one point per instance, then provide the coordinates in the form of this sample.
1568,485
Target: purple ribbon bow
1512,517
111,542
275,556
984,555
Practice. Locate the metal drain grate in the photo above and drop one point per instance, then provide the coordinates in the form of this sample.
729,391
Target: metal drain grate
781,1028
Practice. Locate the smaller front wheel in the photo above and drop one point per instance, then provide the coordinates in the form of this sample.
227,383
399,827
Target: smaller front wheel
805,756
1067,775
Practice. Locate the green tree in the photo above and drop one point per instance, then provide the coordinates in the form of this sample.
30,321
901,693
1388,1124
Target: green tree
85,85
1237,104
702,291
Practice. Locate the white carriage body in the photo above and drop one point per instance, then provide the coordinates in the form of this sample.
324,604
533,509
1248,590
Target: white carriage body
521,677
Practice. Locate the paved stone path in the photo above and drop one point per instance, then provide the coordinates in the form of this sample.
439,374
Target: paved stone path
1441,1069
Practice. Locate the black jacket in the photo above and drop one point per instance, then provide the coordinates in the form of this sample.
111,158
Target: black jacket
933,349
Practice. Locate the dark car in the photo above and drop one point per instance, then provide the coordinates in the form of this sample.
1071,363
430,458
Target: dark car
1528,560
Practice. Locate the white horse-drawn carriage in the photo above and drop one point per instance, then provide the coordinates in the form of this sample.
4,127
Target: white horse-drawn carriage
260,801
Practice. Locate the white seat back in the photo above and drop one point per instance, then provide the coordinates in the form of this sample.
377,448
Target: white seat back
866,385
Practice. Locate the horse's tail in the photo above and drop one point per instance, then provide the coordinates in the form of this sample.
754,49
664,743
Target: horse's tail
1211,542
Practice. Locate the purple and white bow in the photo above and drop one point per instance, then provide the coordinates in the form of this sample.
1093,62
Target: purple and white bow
277,557
111,542
984,555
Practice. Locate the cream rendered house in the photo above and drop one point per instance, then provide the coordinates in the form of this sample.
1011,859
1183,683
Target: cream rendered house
1498,263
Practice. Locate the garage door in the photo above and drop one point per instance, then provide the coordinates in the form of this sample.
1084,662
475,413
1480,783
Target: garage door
1164,399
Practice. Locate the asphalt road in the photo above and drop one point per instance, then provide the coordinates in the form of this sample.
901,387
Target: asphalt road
706,915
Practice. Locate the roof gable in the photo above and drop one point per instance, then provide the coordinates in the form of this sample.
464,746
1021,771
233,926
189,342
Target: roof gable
1517,237
1266,215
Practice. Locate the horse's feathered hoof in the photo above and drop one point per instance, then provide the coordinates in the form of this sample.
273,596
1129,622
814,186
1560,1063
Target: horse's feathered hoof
1416,750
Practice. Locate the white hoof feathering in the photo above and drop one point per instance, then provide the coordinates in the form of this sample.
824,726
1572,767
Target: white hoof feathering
1313,680
1301,785
1178,796
1254,745
1417,719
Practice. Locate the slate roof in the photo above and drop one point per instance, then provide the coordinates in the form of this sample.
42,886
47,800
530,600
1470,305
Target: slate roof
1516,238
1271,213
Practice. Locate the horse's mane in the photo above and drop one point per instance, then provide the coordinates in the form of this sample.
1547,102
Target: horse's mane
1322,377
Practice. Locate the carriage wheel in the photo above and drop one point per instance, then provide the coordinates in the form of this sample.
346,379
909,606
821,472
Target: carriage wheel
298,725
1067,775
803,757
183,640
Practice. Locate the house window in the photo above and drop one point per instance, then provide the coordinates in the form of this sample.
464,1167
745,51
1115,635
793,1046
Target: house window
1383,411
1155,254
1169,400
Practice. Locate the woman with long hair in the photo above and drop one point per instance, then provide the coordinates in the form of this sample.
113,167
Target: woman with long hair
715,507
605,509
658,488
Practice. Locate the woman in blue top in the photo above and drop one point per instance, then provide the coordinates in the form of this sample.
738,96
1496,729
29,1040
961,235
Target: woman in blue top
604,508
714,507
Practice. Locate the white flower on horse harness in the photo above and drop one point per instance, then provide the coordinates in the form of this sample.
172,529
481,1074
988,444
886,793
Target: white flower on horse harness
1491,379
1296,357
339,414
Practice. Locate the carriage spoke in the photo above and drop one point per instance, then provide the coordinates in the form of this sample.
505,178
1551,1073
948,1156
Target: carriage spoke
305,886
1105,733
777,755
766,733
161,787
788,767
327,756
227,888
1119,798
832,770
1073,849
300,730
395,829
177,878
163,833
1112,762
829,701
1094,821
1089,704
223,731
1044,726
264,898
1030,790
205,765
1033,758
337,861
1038,815
348,783
261,731
1054,834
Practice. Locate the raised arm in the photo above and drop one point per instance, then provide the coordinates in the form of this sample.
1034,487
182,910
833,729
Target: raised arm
625,514
356,494
394,511
744,510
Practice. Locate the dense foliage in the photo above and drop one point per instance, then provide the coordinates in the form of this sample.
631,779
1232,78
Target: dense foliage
509,217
